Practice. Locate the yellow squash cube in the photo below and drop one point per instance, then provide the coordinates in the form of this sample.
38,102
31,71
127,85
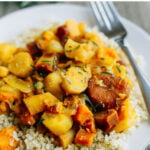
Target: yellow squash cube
37,103
11,93
127,116
67,138
54,47
57,123
3,71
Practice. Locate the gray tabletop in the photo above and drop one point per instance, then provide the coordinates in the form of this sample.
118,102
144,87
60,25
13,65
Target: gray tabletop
137,12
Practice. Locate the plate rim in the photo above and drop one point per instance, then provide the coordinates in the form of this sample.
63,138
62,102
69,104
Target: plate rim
24,10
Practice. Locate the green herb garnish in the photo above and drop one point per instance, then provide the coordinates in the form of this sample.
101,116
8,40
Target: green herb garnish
35,85
68,51
32,66
77,47
94,43
49,63
118,68
90,102
38,85
68,81
46,60
84,69
80,72
107,72
98,104
40,121
54,62
103,66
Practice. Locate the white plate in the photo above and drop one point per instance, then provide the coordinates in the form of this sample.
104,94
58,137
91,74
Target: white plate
15,23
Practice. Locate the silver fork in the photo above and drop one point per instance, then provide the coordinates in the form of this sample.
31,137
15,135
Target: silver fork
109,23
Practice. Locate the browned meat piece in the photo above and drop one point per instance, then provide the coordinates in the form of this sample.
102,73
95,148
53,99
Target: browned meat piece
106,120
121,62
105,89
25,117
34,50
44,68
62,33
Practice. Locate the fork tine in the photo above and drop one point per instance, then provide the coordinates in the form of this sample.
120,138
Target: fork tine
108,19
113,11
103,14
97,14
117,23
108,11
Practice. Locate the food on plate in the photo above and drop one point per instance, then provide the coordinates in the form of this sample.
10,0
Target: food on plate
67,84
8,139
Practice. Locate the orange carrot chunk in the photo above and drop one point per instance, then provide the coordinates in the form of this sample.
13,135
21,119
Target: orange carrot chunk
89,125
84,137
7,141
82,114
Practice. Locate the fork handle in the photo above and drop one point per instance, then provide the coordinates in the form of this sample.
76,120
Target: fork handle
141,77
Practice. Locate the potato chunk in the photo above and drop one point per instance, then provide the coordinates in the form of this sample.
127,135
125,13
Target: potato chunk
7,141
73,27
23,86
3,71
37,103
127,116
46,63
119,70
9,94
53,84
67,138
54,47
6,52
75,80
80,52
57,123
21,64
